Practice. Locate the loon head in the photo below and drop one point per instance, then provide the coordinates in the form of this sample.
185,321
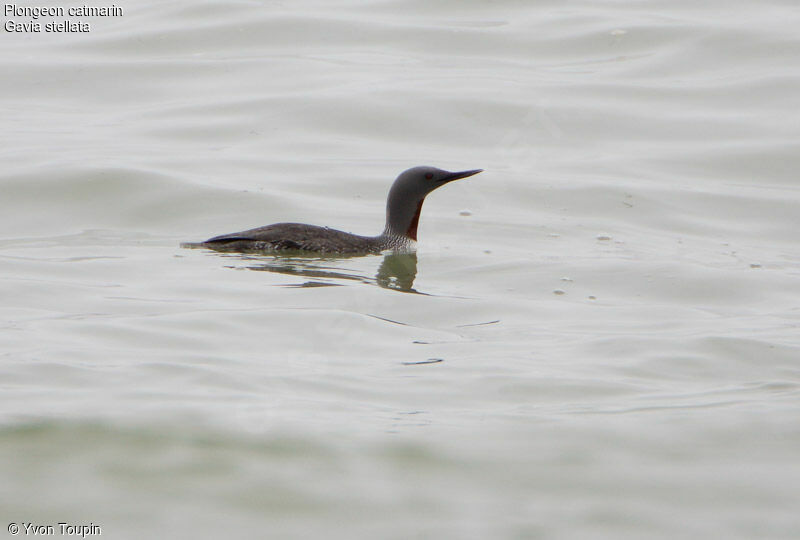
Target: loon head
407,194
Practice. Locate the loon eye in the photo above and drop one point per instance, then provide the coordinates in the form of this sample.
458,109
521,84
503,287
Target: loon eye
428,176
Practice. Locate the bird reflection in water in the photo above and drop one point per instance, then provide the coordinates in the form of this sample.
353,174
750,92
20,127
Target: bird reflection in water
397,271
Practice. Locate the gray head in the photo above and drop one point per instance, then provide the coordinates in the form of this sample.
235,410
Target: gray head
407,194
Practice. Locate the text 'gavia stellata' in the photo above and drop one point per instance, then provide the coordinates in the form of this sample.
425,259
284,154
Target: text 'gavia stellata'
403,208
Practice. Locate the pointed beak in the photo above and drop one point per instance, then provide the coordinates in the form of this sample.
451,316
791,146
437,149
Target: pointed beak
458,175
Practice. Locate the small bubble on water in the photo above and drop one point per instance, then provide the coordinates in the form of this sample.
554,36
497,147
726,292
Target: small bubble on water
592,297
565,278
465,212
559,292
755,265
603,237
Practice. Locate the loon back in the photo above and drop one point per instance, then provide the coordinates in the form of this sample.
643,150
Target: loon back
295,236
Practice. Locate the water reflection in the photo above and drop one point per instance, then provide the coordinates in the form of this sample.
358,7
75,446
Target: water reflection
397,271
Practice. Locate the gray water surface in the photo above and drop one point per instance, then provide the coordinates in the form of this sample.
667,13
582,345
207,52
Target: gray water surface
599,336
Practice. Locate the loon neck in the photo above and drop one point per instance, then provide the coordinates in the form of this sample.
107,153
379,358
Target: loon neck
403,223
388,240
403,208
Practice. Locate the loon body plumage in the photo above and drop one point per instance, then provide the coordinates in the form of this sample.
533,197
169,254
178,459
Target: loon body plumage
403,207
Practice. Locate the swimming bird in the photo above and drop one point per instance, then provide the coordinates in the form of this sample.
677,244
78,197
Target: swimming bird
403,207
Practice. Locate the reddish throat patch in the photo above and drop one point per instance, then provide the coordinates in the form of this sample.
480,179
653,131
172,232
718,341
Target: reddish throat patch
412,228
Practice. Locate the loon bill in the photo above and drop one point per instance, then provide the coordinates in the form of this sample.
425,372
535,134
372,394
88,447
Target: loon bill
403,207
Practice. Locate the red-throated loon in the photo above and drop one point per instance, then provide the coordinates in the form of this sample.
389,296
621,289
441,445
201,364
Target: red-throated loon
403,207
